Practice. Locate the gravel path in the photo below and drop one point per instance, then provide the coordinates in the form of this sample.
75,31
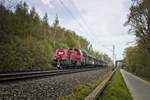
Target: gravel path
48,88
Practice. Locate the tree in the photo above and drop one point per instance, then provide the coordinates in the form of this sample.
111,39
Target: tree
21,20
56,22
45,19
55,25
137,57
45,25
33,12
139,20
137,61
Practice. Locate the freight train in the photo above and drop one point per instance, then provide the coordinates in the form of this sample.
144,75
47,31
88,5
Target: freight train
74,58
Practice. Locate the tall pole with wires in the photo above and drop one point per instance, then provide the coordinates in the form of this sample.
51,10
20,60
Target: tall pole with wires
113,56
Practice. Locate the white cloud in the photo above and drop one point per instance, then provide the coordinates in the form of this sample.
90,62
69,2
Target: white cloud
46,2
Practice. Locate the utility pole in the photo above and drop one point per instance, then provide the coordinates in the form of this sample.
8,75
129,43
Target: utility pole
113,55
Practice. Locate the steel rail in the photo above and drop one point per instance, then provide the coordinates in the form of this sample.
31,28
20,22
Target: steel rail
6,77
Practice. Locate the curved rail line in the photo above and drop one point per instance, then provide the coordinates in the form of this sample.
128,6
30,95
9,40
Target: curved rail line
26,75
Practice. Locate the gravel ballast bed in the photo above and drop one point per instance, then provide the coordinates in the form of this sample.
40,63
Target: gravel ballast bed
48,88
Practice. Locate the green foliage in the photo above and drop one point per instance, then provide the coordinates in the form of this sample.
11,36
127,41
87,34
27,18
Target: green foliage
137,61
81,91
139,21
137,57
116,89
15,56
27,42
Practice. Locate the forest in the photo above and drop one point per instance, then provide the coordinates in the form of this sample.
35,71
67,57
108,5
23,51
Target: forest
137,57
28,42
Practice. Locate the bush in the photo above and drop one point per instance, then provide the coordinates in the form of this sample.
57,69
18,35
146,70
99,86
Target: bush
14,57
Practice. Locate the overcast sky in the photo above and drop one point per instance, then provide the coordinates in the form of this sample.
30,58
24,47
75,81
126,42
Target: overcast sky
100,21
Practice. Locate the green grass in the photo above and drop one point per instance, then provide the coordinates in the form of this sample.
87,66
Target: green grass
82,90
116,89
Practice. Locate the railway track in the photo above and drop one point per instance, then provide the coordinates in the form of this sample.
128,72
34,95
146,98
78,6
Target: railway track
5,77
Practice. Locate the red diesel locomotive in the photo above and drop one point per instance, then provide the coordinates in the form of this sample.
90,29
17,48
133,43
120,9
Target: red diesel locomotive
74,57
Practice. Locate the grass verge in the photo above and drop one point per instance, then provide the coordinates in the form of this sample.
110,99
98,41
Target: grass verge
82,90
116,89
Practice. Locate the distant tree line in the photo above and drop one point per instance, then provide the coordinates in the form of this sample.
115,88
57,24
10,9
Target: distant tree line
28,42
137,58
